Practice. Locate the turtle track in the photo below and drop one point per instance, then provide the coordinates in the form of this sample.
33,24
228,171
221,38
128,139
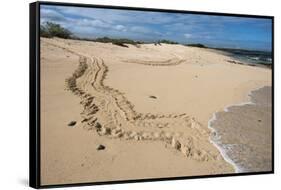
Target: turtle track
176,60
109,113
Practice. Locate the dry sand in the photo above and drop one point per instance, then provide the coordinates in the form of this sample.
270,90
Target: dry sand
149,106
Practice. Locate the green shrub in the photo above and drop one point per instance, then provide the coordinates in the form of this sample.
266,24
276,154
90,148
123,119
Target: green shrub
50,29
167,42
44,32
197,45
120,44
117,41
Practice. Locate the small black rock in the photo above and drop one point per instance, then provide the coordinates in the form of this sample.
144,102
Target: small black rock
72,123
101,147
259,120
154,97
98,126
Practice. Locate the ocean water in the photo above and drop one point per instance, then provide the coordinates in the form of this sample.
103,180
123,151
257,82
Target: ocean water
249,56
243,133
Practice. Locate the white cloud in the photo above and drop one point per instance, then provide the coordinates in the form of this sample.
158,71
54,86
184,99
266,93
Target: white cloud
113,15
187,35
120,28
91,23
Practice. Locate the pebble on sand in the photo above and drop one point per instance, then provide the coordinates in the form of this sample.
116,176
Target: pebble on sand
154,97
72,123
98,126
101,147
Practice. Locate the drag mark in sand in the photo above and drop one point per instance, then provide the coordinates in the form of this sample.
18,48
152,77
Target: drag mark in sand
109,113
176,60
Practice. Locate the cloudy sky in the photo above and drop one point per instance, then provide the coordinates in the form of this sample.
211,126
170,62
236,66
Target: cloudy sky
216,31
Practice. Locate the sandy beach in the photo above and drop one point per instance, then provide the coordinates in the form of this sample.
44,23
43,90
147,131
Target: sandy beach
116,113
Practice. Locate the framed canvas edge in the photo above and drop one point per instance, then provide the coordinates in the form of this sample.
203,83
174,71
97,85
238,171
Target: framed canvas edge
34,95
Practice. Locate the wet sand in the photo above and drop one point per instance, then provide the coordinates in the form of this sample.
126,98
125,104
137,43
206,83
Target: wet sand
244,132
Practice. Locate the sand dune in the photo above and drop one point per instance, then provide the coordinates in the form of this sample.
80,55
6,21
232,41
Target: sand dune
150,97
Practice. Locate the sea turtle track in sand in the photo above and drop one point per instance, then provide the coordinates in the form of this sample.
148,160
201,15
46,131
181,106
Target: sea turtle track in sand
175,60
109,113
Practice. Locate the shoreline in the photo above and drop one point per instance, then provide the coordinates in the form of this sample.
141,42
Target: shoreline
235,60
216,143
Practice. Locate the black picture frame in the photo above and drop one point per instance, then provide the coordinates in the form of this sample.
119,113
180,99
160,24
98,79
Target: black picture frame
34,94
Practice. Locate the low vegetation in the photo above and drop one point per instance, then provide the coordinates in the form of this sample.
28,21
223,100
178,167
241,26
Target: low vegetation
197,45
167,42
50,30
119,42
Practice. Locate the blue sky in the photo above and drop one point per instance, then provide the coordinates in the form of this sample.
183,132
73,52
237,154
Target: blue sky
215,31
